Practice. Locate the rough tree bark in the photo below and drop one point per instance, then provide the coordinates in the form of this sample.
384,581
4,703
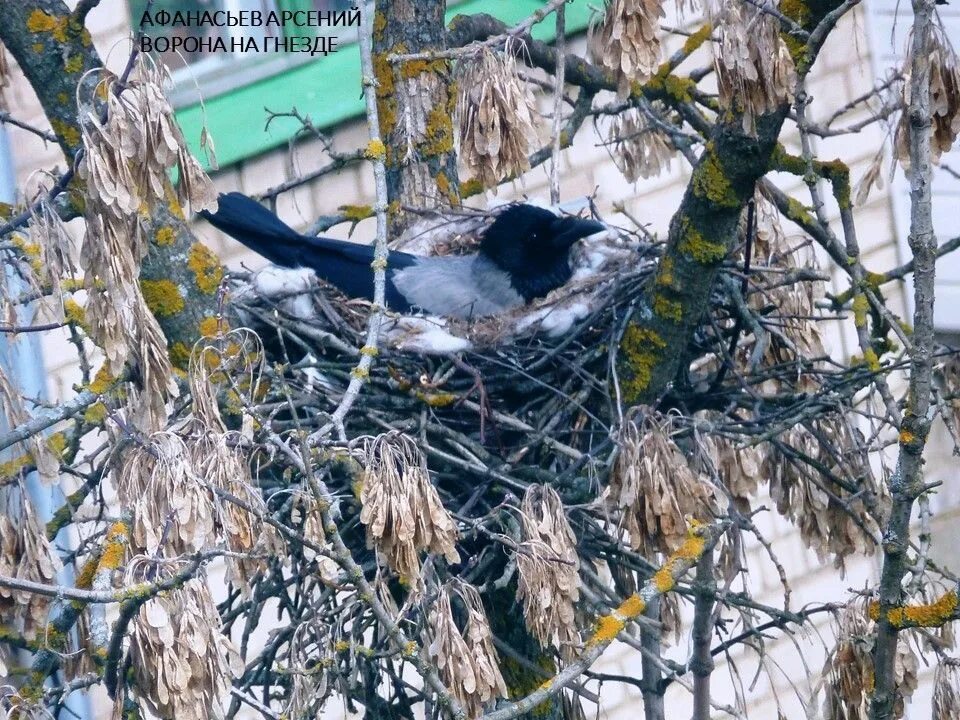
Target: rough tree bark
415,103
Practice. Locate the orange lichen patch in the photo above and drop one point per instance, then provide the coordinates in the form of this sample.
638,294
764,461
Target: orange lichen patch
85,576
114,547
632,606
379,25
205,267
39,21
412,68
935,614
608,627
906,437
446,188
691,549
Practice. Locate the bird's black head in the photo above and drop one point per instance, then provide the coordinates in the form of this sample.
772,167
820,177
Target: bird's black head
533,246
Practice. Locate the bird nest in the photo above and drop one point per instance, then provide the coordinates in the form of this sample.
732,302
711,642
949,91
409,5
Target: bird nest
499,404
517,398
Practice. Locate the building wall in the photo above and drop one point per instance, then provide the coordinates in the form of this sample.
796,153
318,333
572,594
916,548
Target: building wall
854,57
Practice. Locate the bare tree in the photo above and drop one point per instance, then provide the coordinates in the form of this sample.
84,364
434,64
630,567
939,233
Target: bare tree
460,518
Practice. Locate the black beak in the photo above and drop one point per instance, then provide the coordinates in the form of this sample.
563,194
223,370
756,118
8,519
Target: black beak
571,229
585,228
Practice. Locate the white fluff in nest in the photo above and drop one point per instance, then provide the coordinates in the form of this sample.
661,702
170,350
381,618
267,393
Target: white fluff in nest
423,334
295,283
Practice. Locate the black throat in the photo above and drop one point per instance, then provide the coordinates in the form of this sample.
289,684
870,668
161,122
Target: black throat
542,278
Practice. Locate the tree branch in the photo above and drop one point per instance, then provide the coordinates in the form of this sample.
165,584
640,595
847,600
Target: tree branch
906,483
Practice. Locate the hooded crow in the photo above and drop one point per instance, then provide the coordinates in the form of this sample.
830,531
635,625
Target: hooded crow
523,255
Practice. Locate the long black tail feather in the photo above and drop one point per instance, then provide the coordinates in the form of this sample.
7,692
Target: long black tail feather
343,264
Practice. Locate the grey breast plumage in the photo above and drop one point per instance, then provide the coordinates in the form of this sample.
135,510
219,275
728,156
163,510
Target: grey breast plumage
465,286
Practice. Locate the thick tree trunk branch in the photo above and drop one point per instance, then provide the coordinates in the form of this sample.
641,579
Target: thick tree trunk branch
704,231
415,103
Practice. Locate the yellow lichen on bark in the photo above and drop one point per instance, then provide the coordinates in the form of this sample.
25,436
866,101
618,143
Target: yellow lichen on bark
114,547
165,236
691,549
74,313
180,355
163,297
608,627
710,181
632,606
642,349
205,267
439,133
212,326
668,309
376,150
696,246
356,213
40,21
935,614
103,380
